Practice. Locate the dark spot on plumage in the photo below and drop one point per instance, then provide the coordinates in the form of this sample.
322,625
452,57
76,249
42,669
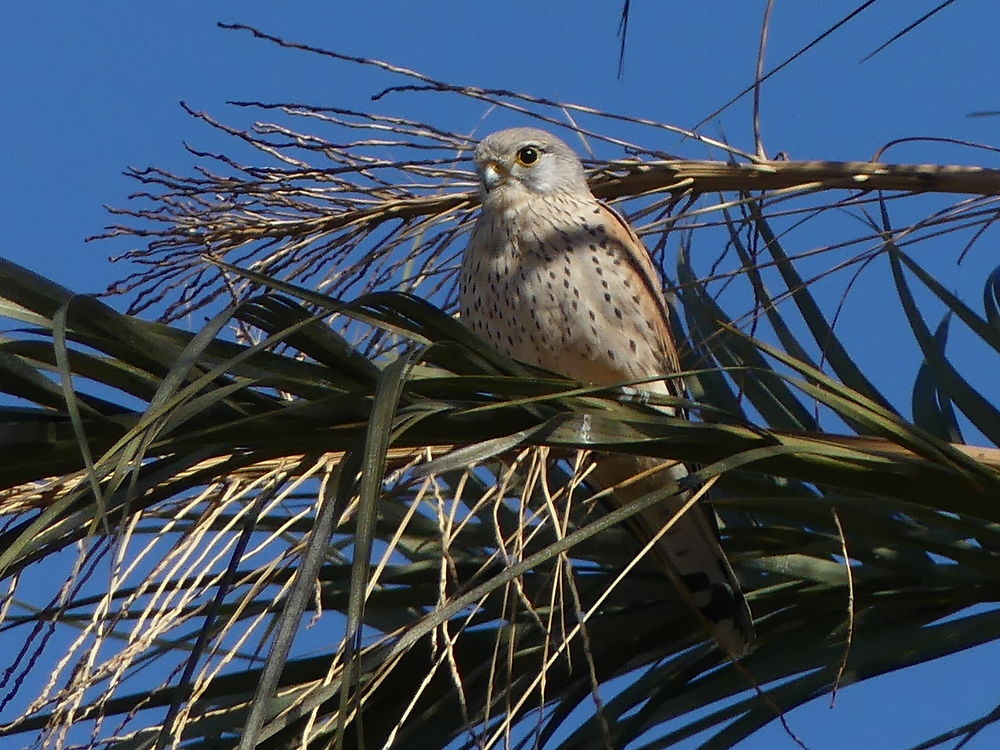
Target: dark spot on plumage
632,345
611,355
604,283
618,313
635,300
593,315
607,297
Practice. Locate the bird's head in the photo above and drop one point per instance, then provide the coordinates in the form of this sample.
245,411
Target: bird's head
526,161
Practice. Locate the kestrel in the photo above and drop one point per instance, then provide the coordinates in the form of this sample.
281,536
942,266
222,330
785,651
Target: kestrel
555,278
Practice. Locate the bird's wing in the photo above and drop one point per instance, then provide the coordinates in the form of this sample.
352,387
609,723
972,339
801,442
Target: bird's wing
642,264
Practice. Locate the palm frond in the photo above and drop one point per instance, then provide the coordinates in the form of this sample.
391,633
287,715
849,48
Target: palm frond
333,517
480,602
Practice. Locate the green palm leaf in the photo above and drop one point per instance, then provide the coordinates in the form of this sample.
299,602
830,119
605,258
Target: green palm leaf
476,599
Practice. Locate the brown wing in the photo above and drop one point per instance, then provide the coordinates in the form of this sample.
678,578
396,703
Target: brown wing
641,262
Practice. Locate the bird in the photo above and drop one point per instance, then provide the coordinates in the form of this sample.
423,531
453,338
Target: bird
555,278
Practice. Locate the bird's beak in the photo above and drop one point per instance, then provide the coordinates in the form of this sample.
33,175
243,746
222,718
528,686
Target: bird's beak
493,176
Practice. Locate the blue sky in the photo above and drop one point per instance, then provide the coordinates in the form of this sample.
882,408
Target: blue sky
89,89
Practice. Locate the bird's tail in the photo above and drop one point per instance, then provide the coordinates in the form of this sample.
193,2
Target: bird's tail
689,551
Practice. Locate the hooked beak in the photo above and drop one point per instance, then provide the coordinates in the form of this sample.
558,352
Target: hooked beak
492,176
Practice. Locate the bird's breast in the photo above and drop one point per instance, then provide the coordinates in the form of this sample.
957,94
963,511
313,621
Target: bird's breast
547,285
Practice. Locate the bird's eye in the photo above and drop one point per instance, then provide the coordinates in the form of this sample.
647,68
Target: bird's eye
527,156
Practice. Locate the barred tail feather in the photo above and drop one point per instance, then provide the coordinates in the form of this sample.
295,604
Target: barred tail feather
689,551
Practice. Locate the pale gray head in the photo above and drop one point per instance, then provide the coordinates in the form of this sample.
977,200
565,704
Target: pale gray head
527,160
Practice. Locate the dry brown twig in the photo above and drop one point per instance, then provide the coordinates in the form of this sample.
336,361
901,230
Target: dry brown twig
35,495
